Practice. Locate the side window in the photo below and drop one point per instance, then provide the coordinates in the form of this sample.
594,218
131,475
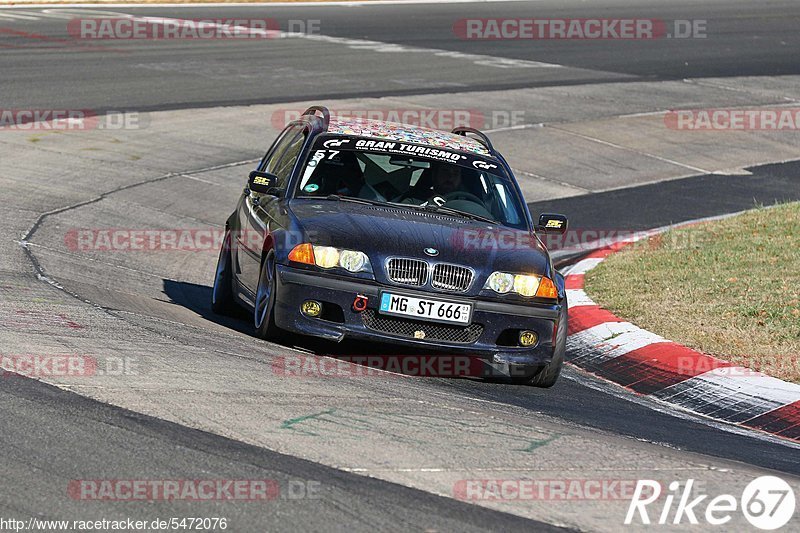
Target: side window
280,160
285,164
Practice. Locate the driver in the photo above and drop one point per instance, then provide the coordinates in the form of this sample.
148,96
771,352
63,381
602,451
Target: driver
450,184
446,179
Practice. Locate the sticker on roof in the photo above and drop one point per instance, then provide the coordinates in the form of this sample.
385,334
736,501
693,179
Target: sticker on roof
393,131
408,149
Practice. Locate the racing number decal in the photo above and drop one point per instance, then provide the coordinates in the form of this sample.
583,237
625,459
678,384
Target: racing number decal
319,155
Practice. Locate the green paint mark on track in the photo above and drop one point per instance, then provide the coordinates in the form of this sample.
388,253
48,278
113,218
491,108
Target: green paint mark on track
292,422
534,444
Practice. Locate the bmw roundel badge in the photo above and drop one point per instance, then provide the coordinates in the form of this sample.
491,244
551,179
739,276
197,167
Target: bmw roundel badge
433,252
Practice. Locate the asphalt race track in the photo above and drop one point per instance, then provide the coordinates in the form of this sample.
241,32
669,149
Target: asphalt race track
745,39
202,398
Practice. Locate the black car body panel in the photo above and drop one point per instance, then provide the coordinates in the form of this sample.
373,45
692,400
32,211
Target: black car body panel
274,224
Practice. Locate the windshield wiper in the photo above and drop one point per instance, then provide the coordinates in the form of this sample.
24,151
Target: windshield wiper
430,207
356,200
353,199
450,211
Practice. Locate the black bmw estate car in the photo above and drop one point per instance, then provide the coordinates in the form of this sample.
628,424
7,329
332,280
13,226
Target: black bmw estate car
400,234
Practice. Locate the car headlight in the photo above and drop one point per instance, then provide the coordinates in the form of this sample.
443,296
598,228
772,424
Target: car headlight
500,282
526,285
326,256
329,257
522,284
353,261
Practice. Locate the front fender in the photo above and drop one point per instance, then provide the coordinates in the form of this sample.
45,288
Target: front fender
561,285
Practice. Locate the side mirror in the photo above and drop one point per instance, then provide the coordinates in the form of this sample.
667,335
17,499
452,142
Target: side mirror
262,182
552,223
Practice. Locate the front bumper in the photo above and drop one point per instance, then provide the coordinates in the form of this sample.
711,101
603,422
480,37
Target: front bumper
488,336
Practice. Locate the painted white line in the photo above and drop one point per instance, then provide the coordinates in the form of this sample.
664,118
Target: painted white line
349,3
66,13
585,265
732,172
560,183
578,298
606,386
379,46
732,395
788,392
604,332
15,16
746,393
643,114
69,14
355,44
637,236
634,150
516,127
583,346
626,342
361,44
746,90
201,180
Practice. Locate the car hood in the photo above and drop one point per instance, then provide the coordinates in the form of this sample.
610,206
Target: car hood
383,232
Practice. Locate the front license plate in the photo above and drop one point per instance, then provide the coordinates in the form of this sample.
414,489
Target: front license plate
425,309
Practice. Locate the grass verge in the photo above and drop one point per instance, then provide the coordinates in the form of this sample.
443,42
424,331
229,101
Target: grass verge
729,288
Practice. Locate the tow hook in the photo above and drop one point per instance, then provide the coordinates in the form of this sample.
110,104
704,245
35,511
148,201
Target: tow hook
360,303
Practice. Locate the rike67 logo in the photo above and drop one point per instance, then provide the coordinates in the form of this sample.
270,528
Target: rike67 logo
768,503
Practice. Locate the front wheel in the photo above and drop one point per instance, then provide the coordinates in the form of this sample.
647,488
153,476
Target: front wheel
264,313
548,376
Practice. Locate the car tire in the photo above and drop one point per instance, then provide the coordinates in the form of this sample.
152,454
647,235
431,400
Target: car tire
548,375
222,301
264,309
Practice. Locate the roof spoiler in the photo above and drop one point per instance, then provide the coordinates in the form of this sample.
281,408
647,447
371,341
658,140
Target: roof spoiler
481,137
326,115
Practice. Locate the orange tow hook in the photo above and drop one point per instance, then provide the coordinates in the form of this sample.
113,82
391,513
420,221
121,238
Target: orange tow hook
360,303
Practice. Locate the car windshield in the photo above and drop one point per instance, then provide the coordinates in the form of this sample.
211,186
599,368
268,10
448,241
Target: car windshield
412,181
